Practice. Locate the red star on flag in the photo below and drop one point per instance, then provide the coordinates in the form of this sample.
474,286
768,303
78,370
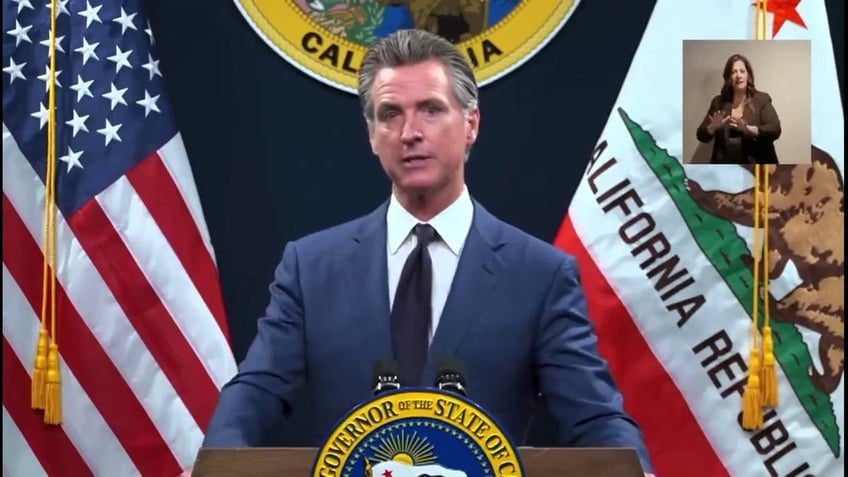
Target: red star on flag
387,473
783,11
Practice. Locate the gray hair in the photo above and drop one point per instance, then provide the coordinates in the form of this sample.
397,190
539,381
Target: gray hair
407,47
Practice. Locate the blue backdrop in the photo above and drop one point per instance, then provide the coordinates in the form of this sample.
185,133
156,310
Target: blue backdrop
277,155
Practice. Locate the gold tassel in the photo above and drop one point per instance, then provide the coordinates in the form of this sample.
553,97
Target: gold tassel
48,355
752,415
768,375
53,401
754,396
39,375
752,412
768,378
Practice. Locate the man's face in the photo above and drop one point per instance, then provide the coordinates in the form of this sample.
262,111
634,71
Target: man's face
419,131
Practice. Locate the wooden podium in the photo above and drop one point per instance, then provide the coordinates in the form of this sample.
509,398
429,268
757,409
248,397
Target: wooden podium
538,462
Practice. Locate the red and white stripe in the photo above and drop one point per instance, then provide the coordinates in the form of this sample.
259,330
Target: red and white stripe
141,327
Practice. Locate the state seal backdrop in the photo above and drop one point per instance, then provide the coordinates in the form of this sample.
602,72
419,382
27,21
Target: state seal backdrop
328,38
417,433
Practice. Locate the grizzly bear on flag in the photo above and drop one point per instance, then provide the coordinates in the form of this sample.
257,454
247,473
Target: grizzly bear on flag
806,220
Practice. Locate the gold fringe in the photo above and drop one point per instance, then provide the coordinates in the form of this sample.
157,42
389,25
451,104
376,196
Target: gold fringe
768,375
53,401
752,412
39,375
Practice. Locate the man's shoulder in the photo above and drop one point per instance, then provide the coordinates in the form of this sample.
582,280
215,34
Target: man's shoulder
340,235
531,251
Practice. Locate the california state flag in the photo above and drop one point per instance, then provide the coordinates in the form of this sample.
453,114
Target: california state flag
400,469
664,252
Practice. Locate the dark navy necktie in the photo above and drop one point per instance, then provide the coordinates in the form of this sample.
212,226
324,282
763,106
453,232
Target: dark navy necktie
412,310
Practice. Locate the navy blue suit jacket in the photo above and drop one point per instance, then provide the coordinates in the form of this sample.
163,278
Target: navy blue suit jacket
515,317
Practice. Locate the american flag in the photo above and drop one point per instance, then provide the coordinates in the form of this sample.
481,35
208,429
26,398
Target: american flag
141,330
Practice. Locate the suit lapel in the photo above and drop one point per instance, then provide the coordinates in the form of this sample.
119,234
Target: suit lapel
477,274
369,281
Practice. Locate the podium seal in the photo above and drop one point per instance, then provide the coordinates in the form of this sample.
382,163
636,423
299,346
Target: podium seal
417,433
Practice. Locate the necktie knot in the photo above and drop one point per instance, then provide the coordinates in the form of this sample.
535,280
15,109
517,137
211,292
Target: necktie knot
425,233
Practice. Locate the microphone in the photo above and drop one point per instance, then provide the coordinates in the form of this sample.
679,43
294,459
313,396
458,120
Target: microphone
450,376
385,376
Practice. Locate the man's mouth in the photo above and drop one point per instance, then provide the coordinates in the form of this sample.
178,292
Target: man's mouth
415,159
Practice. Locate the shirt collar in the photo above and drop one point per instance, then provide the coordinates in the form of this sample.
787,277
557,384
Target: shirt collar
452,224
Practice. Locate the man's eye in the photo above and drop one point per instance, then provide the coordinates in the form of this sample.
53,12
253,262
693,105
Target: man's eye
388,114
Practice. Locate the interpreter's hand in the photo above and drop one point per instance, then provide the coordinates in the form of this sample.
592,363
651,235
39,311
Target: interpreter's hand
740,125
717,120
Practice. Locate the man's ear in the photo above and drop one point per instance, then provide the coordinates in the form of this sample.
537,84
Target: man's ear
370,126
472,126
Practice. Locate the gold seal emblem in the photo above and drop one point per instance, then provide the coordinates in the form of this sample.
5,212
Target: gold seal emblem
415,433
328,38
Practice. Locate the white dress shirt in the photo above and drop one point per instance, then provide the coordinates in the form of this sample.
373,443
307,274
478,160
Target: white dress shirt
452,225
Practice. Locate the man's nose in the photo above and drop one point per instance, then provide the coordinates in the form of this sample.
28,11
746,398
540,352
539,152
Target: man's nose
411,133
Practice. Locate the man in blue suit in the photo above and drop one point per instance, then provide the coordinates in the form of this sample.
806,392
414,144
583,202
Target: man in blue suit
506,305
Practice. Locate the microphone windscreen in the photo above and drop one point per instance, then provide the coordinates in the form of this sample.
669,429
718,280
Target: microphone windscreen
450,365
385,367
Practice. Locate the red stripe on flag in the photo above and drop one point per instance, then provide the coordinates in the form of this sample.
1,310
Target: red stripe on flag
672,434
145,310
157,190
50,445
83,354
